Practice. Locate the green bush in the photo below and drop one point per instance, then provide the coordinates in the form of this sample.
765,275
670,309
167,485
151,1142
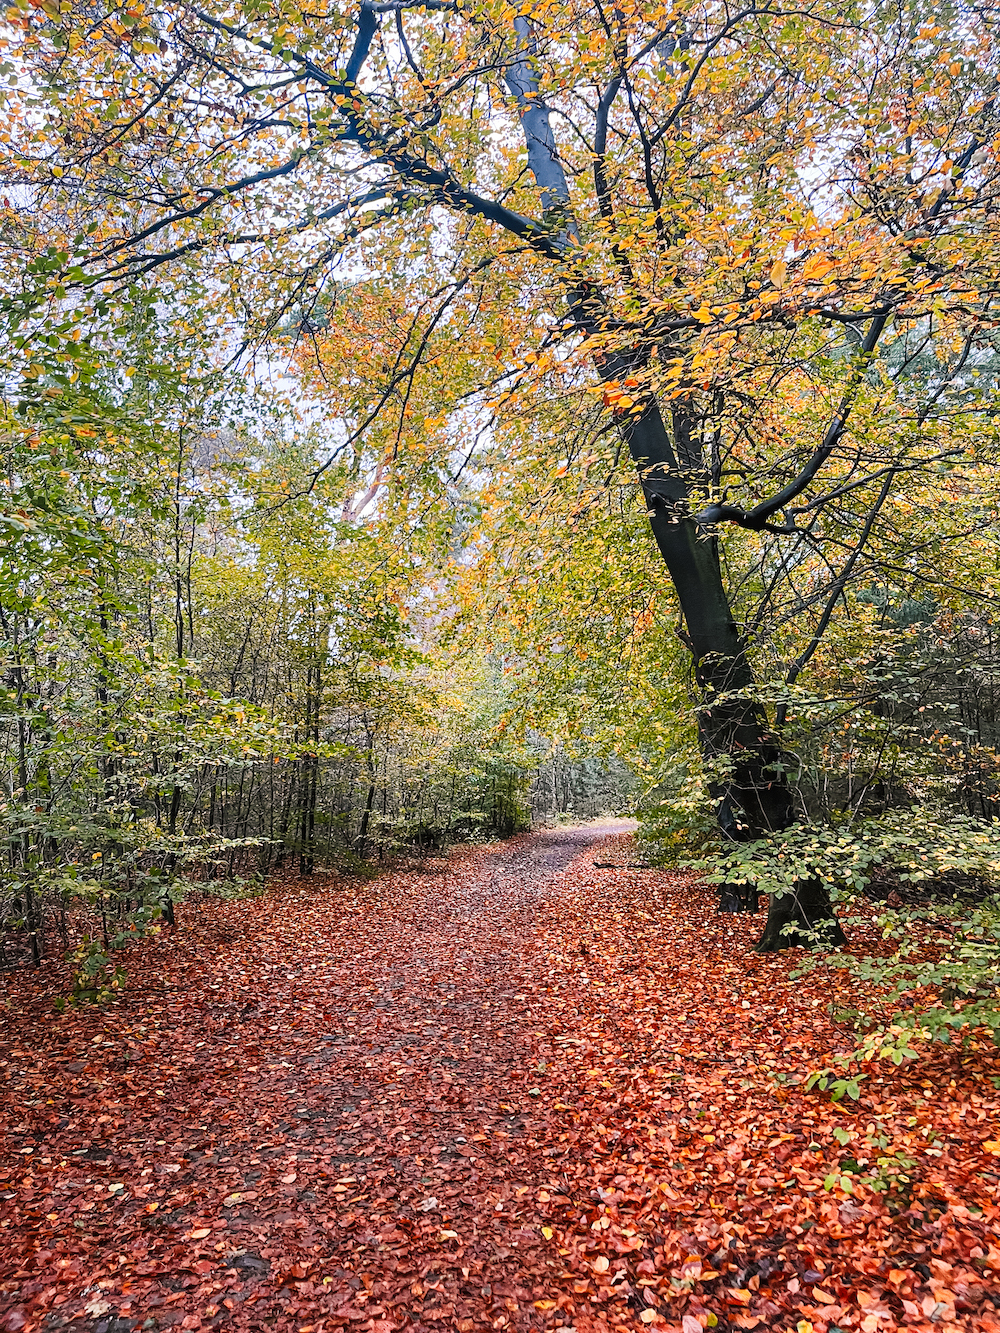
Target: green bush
919,992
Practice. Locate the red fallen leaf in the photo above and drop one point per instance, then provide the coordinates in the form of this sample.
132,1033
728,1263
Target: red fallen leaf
296,1273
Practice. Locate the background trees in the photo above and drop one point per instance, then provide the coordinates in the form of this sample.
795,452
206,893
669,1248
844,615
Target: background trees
545,276
211,674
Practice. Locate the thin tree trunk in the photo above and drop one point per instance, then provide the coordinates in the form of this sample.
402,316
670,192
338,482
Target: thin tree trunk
371,767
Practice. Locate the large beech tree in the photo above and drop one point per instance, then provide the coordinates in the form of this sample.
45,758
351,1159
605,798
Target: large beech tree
743,226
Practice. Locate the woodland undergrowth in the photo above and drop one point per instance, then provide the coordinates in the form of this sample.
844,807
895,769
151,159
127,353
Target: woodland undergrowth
487,1094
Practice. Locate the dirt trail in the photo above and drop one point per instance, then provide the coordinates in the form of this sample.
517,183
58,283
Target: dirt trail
321,1116
512,1090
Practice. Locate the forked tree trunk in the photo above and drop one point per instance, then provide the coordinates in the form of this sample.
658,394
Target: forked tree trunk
804,917
750,787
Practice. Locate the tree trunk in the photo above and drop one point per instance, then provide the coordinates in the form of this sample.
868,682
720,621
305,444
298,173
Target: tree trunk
748,779
166,902
804,917
361,845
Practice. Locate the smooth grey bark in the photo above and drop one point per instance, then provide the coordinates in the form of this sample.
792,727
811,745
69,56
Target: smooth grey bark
536,126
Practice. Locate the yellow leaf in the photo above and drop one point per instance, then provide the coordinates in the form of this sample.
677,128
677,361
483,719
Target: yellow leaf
993,1146
824,1297
547,1232
816,267
778,273
545,1305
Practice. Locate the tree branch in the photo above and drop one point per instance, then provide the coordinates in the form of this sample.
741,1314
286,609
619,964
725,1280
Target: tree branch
840,583
756,519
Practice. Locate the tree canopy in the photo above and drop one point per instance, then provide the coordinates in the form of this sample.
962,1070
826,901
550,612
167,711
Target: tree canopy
523,279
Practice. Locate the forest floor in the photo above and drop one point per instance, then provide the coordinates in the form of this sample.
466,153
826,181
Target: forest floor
508,1090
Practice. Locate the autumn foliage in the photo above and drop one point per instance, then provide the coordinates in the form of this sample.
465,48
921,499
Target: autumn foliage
499,1092
389,389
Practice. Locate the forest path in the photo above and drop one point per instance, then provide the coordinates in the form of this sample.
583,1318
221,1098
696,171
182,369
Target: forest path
311,1108
510,1090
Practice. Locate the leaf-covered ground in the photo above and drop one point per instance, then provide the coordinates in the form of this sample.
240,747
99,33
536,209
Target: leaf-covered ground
503,1092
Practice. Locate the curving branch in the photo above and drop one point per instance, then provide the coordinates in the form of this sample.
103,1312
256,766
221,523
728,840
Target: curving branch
758,518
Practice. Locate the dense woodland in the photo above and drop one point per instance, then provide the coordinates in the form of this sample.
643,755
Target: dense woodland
203,689
426,425
421,419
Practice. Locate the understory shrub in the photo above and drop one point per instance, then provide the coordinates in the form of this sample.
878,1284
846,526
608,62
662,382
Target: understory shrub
936,876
